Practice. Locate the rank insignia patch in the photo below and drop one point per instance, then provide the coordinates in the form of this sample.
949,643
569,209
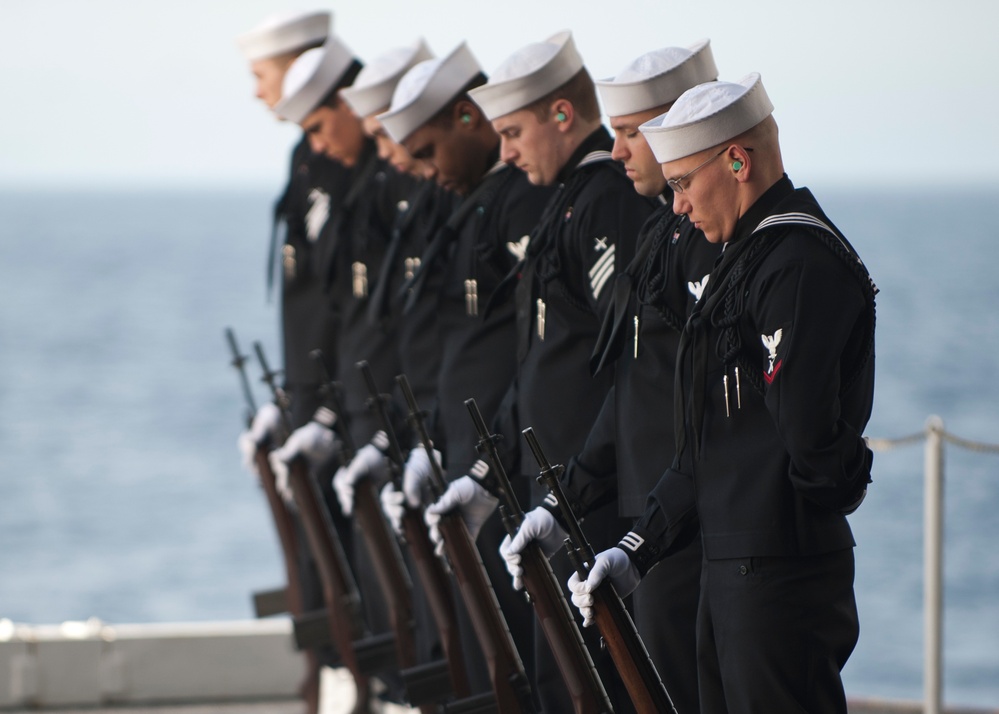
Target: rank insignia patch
601,271
772,342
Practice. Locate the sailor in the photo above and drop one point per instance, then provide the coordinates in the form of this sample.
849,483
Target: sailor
307,320
354,241
651,299
775,386
437,122
418,216
544,106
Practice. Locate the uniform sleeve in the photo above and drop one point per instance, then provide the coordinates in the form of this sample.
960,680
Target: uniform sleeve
669,523
806,311
590,479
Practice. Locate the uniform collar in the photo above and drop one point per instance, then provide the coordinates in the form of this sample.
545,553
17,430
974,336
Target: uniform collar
763,207
599,140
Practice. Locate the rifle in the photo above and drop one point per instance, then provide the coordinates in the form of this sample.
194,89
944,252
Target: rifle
290,598
340,594
641,679
389,566
506,670
566,642
429,568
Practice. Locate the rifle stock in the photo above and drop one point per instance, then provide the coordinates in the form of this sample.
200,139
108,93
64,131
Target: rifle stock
564,638
285,526
382,544
340,593
641,679
343,604
506,670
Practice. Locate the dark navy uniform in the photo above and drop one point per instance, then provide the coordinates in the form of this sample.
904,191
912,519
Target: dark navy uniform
590,227
632,438
316,187
315,190
359,238
775,384
359,242
481,243
418,335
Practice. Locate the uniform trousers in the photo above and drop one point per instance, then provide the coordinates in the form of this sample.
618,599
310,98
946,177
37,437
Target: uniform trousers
665,614
773,633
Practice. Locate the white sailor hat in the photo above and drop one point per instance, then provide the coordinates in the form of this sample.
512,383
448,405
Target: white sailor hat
311,77
657,78
706,116
372,90
279,34
528,75
426,89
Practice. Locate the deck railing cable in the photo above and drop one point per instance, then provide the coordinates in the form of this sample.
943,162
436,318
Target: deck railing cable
934,435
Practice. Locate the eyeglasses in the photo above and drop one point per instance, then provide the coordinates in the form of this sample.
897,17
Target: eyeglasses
677,183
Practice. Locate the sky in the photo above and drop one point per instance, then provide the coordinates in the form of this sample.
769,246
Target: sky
138,93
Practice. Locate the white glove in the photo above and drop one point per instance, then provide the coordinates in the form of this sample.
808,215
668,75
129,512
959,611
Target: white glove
539,525
368,461
612,563
248,451
393,505
475,504
266,426
416,477
313,442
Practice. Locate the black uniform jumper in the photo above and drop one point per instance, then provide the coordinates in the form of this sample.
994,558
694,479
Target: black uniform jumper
316,188
590,226
775,386
315,191
632,438
418,337
359,240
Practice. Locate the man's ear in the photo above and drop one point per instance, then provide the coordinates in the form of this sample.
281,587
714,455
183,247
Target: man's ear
466,114
563,114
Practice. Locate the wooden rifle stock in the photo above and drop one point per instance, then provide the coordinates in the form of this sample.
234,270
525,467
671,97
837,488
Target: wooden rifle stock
340,593
573,659
638,672
382,544
506,670
285,526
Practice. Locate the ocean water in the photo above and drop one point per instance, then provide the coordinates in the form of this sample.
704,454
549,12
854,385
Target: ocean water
122,494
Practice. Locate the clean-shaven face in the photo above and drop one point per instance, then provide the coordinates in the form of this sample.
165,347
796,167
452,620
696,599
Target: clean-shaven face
529,144
633,151
709,197
335,132
269,74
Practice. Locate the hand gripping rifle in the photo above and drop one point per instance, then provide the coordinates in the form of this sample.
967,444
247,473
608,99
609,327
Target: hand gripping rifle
573,659
288,599
642,680
343,604
506,670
